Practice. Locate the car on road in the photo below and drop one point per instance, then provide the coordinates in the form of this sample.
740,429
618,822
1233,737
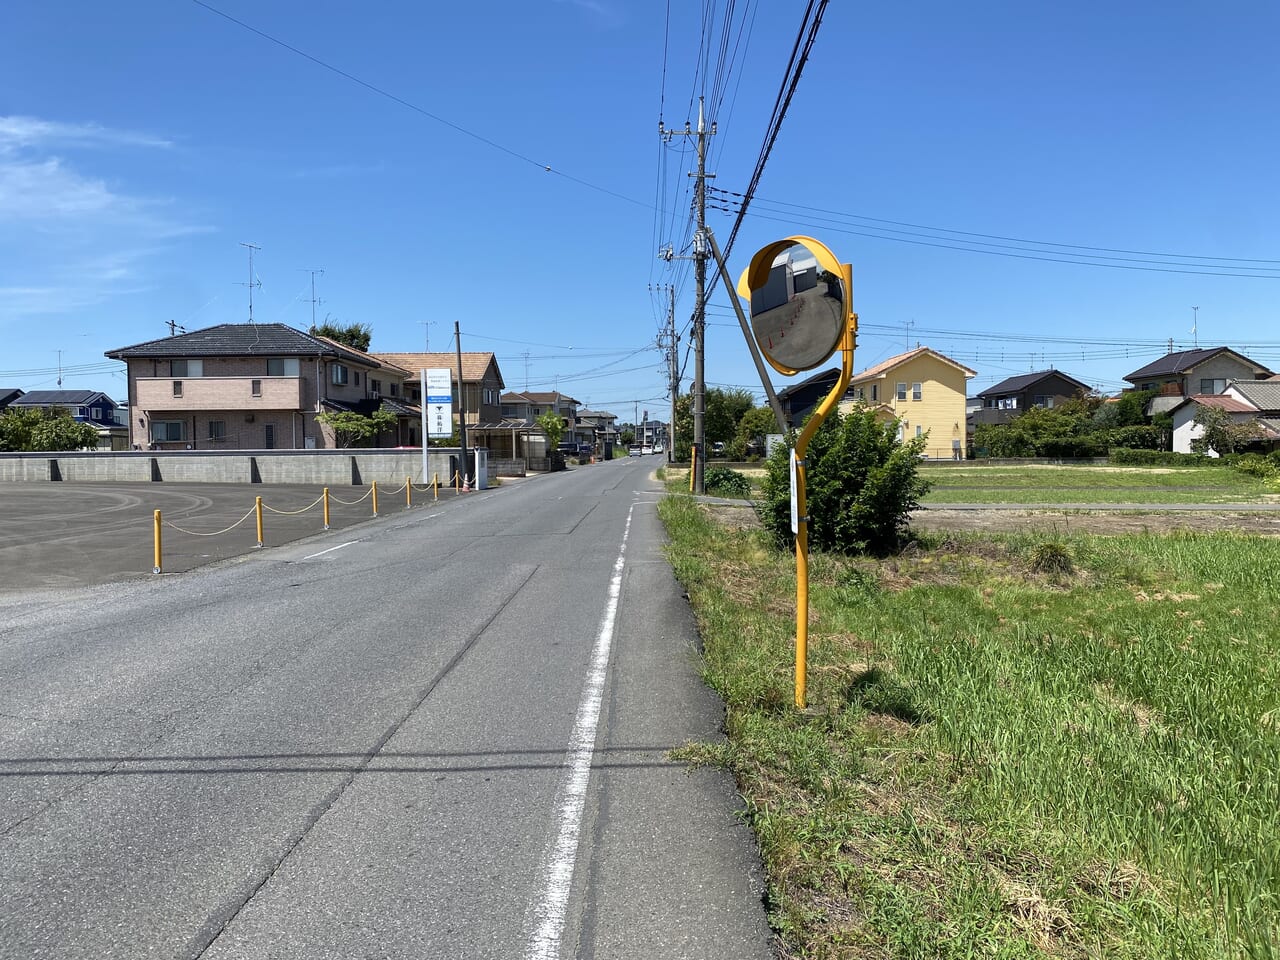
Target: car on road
634,450
645,451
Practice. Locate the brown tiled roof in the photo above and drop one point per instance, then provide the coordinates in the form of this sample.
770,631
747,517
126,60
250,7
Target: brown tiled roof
536,396
367,357
474,365
884,366
1222,402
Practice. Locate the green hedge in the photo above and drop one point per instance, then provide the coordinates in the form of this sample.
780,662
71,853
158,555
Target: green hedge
1123,456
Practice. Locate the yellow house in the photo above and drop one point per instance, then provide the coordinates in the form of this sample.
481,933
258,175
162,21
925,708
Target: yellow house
924,391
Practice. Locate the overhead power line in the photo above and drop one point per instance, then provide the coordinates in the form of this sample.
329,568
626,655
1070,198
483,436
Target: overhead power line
417,109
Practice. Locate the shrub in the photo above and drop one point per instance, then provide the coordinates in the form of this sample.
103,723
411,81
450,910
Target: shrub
1253,465
1136,438
1120,456
862,484
726,482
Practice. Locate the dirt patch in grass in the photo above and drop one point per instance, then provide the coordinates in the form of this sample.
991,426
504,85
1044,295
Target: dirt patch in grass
1100,522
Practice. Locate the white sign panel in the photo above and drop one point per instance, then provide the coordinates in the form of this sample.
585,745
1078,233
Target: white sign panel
795,503
437,403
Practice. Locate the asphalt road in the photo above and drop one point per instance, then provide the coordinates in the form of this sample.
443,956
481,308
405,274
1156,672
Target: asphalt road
441,733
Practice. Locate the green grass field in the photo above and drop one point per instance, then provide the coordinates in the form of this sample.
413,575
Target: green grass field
1019,747
1089,484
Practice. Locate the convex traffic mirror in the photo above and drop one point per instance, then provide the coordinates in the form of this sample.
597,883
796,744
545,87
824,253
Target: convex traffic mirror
799,304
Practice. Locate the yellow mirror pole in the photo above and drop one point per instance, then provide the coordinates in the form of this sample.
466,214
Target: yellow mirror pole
375,498
693,465
802,507
156,567
257,508
326,508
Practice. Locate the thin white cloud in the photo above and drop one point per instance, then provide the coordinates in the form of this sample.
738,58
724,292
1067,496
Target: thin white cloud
17,132
70,239
606,11
43,189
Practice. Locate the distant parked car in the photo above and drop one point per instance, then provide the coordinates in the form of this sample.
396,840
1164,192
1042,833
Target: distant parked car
634,450
646,450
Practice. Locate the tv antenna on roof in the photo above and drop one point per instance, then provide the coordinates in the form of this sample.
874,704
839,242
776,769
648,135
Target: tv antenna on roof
252,281
313,301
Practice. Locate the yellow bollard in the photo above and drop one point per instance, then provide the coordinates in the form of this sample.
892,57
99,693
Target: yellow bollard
156,567
435,486
258,508
326,508
457,482
408,491
375,498
693,466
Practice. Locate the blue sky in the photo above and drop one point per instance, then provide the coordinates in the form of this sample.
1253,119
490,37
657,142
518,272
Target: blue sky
141,142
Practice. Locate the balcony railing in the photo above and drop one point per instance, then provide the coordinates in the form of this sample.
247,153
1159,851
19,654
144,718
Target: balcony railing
219,393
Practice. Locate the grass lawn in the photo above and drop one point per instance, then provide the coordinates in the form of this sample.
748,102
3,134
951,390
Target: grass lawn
1019,747
1089,484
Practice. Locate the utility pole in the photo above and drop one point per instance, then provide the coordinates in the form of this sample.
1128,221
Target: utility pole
700,255
462,404
673,356
252,283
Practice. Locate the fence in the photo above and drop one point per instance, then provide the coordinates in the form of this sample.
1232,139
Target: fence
260,509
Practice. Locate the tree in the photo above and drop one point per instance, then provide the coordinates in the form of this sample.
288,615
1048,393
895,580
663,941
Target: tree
355,429
862,484
1222,434
552,426
723,409
756,424
357,335
52,430
683,427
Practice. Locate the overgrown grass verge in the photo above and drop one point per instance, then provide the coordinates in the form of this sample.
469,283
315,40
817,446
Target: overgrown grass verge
1085,484
1021,746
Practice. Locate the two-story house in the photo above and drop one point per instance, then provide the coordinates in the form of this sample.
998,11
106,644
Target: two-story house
1188,373
85,406
530,405
8,395
1015,395
241,386
599,424
924,391
481,382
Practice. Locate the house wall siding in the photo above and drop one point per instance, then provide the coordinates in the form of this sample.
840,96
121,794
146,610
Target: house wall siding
941,409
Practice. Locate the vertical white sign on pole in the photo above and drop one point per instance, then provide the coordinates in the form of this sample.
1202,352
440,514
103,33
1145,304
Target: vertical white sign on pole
422,394
437,401
795,501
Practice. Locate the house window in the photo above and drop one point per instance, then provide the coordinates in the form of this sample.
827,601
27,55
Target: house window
917,390
357,378
875,393
177,388
255,388
186,368
902,391
1042,400
338,374
282,366
395,389
919,430
375,386
168,431
269,436
217,429
1213,386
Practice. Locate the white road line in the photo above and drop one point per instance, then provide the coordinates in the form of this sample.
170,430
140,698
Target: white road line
557,874
330,550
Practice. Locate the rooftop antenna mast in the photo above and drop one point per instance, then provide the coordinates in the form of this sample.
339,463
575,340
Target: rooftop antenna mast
59,370
314,301
252,282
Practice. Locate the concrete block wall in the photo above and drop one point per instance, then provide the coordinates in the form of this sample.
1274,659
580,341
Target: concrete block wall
321,467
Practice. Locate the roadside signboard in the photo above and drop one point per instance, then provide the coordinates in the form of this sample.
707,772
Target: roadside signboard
437,403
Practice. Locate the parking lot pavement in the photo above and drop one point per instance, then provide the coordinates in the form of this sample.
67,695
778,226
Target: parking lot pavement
57,535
